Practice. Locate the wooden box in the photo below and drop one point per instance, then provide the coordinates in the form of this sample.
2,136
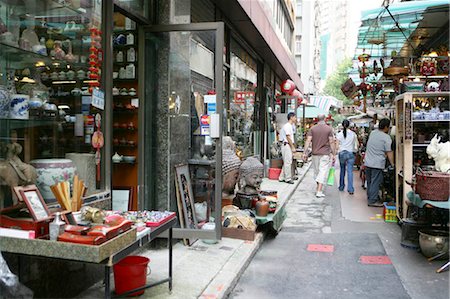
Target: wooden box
238,233
15,217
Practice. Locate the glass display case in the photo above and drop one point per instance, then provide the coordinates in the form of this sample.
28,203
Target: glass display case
50,64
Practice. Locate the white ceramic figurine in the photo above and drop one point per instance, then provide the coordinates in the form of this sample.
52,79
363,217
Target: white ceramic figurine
440,153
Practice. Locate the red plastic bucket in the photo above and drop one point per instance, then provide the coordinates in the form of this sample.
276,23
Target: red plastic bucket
130,273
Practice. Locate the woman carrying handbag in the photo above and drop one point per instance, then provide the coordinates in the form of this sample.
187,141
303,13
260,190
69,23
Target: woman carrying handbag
348,145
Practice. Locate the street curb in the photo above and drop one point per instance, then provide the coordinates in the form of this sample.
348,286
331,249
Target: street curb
226,279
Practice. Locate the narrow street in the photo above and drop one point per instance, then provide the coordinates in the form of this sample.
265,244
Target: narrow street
291,265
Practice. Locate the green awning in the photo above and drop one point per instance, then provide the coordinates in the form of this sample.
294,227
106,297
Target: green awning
379,35
310,112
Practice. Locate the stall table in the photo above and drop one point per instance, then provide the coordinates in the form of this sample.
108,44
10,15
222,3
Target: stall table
107,254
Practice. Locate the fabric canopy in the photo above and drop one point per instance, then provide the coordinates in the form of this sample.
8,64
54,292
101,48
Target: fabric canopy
310,112
325,102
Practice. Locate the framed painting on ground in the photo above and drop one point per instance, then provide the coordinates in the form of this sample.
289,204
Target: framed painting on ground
186,196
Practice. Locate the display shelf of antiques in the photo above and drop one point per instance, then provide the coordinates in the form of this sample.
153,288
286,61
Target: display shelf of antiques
126,105
420,116
50,59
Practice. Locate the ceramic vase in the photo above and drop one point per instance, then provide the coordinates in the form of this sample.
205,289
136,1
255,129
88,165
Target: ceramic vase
262,207
50,172
19,107
4,102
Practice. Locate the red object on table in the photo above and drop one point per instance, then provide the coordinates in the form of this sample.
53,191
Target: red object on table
164,220
109,231
87,240
13,217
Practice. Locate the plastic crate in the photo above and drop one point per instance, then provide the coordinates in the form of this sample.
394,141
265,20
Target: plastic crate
389,213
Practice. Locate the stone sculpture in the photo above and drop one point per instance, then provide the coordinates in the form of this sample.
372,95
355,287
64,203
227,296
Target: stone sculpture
14,172
251,174
230,168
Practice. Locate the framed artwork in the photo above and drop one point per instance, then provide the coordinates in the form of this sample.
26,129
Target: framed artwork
122,198
186,196
32,198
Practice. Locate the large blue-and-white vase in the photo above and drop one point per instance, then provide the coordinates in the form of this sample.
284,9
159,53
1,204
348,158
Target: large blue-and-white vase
19,106
4,102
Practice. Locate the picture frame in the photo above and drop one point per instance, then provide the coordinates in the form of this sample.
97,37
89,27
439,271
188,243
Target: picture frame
32,198
186,196
122,198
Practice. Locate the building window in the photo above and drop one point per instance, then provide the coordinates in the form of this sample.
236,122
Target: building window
298,44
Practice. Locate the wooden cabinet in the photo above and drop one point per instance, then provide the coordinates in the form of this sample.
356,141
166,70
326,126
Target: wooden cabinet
419,117
126,107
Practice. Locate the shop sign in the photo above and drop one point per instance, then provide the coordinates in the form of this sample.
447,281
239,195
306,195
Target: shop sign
244,97
211,108
204,125
98,99
209,98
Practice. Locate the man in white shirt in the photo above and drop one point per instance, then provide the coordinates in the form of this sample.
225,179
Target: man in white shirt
287,148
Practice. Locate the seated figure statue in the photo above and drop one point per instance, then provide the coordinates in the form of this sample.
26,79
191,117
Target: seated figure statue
230,168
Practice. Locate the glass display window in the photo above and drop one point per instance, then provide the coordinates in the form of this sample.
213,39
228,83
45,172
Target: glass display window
243,84
50,123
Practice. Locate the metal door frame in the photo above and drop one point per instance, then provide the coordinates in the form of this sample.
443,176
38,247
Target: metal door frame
219,28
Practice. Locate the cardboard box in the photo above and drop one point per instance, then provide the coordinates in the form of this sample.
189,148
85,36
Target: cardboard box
238,233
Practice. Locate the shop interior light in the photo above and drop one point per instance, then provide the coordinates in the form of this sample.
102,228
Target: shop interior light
40,63
64,82
27,80
433,54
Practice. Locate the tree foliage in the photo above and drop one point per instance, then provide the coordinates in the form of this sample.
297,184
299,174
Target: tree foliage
336,79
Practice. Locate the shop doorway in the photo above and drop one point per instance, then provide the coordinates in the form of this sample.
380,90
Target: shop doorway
183,121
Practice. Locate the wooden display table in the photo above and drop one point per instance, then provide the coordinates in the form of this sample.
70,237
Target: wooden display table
108,253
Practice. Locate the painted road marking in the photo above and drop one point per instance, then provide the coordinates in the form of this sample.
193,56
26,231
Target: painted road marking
320,248
375,260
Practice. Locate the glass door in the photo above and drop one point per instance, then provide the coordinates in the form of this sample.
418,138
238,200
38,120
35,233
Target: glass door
183,114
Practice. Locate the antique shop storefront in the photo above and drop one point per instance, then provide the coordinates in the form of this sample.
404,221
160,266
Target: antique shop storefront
133,99
125,93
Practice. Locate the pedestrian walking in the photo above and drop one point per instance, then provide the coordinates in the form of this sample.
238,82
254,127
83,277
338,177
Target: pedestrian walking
287,148
321,139
346,144
378,147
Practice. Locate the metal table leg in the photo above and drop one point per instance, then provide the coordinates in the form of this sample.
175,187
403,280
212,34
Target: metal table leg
170,259
107,282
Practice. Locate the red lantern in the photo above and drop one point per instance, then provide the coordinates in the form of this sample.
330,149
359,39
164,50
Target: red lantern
287,86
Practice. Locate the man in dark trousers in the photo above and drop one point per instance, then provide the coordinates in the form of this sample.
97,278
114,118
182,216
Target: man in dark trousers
378,147
321,138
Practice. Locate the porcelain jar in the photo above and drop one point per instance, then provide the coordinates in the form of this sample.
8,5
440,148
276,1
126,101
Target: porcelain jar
50,172
5,101
19,106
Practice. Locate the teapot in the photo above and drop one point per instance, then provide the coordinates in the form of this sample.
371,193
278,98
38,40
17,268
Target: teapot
117,158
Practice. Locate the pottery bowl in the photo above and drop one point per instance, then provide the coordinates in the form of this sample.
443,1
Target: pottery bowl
129,159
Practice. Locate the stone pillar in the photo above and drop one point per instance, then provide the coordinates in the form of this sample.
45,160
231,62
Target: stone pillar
173,122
